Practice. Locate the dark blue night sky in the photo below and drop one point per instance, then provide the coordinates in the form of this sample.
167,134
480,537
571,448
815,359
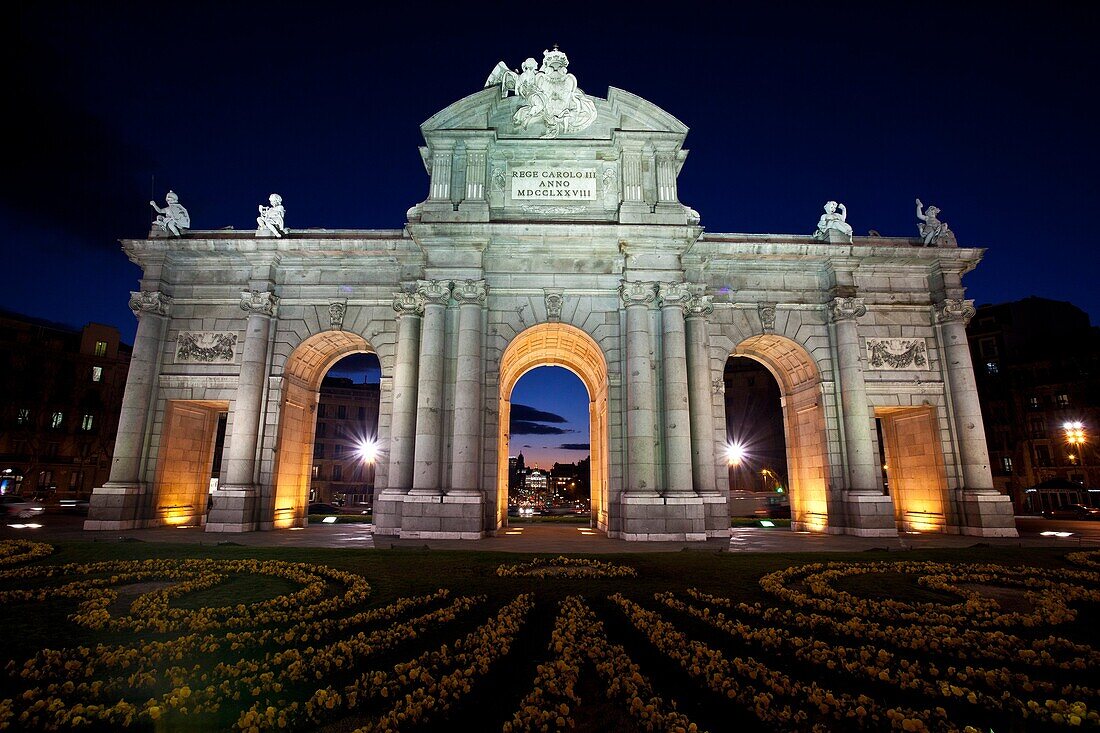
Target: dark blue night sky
988,112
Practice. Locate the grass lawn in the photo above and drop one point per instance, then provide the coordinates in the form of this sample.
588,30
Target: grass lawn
199,638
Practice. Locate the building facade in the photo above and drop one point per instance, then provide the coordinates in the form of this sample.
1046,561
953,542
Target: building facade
63,392
1038,370
345,452
552,233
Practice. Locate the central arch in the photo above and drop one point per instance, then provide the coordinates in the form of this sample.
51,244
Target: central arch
302,375
803,425
557,344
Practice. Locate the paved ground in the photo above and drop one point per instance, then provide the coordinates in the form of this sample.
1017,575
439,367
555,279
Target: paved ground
554,538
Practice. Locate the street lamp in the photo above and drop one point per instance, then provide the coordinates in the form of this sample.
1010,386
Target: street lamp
735,453
1076,438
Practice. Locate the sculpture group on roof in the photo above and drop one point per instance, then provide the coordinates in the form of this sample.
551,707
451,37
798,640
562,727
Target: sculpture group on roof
551,93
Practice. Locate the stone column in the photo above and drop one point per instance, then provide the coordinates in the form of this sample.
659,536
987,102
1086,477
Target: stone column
427,473
388,502
235,504
677,434
466,436
115,504
442,162
701,398
986,511
870,513
666,178
640,402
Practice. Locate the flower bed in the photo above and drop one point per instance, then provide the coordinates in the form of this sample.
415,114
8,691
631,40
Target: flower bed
822,646
566,567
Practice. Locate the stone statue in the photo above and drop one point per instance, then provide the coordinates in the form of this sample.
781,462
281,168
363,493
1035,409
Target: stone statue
833,224
173,219
933,232
551,93
271,221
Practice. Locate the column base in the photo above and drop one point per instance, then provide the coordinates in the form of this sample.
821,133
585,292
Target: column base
716,514
986,514
868,515
387,508
234,510
115,506
648,518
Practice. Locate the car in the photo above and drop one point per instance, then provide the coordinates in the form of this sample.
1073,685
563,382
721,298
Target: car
1073,511
321,508
15,505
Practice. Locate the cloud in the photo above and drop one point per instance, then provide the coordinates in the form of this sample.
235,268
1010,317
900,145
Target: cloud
530,414
525,427
575,446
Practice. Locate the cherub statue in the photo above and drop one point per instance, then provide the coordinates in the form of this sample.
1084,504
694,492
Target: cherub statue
550,92
271,221
173,219
933,232
831,221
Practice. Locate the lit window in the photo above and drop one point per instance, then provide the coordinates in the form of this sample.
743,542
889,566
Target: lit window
1006,464
101,348
97,374
1063,400
23,416
55,420
86,423
1033,403
316,471
991,367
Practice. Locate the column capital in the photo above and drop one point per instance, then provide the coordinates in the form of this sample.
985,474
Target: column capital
408,304
470,292
955,309
259,302
846,309
701,305
434,292
674,295
637,292
149,301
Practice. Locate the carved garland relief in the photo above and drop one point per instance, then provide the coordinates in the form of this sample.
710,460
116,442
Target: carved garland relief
206,347
896,354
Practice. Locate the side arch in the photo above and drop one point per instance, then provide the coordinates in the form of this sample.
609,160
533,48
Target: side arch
302,375
558,344
803,426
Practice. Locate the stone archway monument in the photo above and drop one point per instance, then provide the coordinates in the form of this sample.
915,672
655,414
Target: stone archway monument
552,233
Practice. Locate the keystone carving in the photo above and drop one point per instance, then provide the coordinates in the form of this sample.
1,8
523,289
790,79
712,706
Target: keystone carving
767,317
336,311
554,298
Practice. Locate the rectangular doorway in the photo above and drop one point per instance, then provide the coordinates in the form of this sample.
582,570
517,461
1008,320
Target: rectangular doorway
914,467
186,460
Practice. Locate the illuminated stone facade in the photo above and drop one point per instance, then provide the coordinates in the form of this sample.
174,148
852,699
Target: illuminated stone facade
605,272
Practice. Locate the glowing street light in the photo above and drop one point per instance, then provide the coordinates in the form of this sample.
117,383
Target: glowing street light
368,451
1076,437
735,453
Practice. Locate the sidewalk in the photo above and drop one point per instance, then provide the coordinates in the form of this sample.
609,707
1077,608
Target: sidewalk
542,538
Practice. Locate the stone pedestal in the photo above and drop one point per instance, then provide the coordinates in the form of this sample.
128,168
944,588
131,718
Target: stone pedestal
233,510
442,517
987,514
716,515
114,506
663,519
869,515
388,511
